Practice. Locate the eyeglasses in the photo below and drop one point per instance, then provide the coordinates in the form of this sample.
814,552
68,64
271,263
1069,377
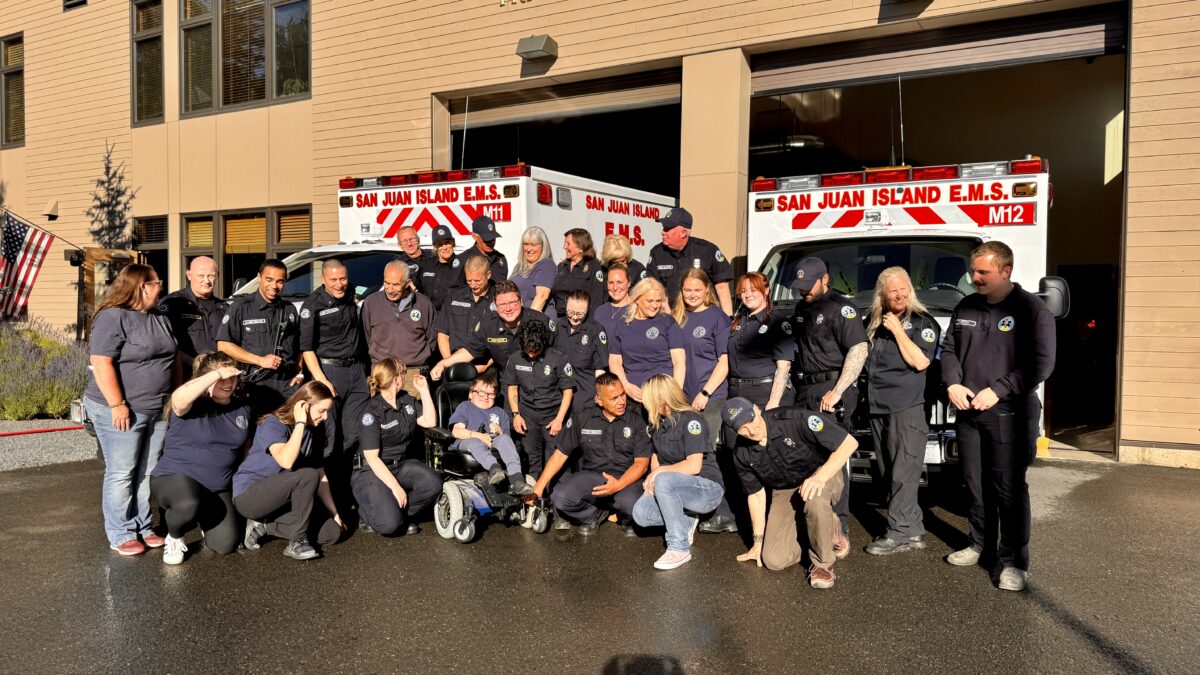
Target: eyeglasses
576,315
485,394
156,282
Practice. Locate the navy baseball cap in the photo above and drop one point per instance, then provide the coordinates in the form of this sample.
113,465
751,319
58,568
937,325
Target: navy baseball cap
442,233
737,412
485,227
676,217
808,272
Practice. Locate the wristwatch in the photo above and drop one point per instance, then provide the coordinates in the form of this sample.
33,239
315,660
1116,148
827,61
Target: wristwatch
706,394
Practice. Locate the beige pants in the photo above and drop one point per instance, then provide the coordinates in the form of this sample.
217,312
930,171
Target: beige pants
781,545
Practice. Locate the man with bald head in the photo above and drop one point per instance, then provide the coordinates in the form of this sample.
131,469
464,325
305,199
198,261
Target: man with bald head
398,323
195,312
413,255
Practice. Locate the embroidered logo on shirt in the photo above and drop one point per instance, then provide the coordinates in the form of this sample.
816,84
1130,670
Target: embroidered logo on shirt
494,418
552,326
304,314
789,442
599,275
787,327
225,319
1006,324
368,419
907,325
409,409
762,330
927,335
849,312
492,307
820,319
241,422
699,332
415,315
694,427
566,369
696,263
651,333
583,340
547,370
627,432
455,263
603,338
720,256
815,423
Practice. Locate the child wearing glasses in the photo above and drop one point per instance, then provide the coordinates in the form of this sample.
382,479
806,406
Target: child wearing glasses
483,429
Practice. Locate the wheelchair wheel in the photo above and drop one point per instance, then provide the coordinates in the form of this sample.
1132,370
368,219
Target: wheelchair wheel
464,530
541,520
448,511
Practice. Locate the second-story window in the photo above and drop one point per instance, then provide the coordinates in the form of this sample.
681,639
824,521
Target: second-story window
12,90
147,61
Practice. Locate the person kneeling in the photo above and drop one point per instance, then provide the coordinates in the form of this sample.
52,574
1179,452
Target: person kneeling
613,442
684,480
481,427
275,486
390,485
791,451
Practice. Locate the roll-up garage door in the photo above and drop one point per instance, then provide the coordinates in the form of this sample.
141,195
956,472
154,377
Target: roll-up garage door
1090,31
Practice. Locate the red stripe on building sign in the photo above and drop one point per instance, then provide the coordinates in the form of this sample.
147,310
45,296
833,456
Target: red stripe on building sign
803,219
849,219
924,215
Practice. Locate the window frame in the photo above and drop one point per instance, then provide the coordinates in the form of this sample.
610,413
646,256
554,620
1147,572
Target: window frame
5,71
135,38
217,251
213,18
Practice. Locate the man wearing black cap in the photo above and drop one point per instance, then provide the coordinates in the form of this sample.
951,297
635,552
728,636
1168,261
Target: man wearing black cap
483,230
679,251
831,348
439,273
793,452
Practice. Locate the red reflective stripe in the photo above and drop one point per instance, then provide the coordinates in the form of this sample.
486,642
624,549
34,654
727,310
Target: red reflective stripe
398,222
924,215
849,219
802,220
454,220
382,216
425,218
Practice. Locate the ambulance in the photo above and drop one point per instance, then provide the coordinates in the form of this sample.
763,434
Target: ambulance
925,219
372,210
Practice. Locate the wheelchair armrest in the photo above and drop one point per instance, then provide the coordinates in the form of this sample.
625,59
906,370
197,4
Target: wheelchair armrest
439,435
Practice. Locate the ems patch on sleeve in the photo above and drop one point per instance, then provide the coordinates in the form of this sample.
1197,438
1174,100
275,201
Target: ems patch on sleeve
849,312
368,419
693,427
815,423
927,335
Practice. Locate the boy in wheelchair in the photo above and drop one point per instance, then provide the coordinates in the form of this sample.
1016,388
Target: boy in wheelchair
483,429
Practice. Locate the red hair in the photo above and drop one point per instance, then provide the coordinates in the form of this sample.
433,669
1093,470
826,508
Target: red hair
759,282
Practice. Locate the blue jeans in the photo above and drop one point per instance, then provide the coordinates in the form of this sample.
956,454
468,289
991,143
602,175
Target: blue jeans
129,457
677,501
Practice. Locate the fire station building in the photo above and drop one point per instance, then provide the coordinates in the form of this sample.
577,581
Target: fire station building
230,122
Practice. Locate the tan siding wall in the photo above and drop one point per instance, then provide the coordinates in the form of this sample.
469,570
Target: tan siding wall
1161,359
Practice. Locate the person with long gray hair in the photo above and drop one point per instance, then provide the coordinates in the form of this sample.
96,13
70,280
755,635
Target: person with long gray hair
535,271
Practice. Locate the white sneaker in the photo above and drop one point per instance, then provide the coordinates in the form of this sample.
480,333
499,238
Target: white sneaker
672,559
173,550
1013,579
964,558
692,532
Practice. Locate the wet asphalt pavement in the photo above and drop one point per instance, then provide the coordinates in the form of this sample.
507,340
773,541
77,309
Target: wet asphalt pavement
1115,588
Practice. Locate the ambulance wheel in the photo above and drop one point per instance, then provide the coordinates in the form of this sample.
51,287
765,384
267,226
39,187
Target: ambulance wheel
464,530
541,520
448,511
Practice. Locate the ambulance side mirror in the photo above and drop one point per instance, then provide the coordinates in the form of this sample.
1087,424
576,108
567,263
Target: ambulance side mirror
1057,296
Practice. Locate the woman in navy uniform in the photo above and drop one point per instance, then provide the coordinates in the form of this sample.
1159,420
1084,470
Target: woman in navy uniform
684,481
579,270
389,483
760,350
648,342
208,430
539,384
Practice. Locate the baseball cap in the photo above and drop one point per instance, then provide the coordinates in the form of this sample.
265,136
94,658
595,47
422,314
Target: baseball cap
737,412
676,217
442,233
808,272
485,227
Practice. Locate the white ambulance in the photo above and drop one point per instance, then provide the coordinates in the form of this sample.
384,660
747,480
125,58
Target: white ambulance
372,210
925,219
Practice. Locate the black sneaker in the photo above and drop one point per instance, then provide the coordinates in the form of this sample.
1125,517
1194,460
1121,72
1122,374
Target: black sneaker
254,531
496,475
589,528
365,527
412,529
888,546
561,523
300,550
518,486
718,524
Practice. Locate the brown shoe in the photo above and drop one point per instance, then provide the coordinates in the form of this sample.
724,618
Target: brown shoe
821,577
841,543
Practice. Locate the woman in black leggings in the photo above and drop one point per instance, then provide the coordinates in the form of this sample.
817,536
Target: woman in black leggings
207,430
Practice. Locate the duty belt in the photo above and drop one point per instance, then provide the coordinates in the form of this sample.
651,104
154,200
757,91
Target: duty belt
814,378
751,380
341,363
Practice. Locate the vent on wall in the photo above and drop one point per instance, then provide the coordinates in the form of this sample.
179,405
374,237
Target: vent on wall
72,4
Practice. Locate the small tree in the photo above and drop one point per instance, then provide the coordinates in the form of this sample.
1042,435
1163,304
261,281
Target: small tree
111,204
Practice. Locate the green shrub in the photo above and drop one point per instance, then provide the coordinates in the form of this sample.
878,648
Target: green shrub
41,371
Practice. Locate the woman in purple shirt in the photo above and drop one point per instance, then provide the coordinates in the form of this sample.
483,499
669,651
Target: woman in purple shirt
648,342
535,272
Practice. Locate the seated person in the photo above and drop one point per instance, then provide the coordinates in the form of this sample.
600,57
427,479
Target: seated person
540,384
390,486
481,426
614,456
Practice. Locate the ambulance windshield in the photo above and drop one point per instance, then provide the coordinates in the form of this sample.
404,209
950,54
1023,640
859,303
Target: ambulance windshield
938,267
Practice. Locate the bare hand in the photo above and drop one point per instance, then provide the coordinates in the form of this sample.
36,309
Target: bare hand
487,440
401,497
270,361
295,381
811,488
985,399
435,373
610,487
829,400
699,402
300,412
495,429
327,383
519,424
120,417
421,384
755,554
555,426
648,484
772,404
226,372
634,392
960,396
892,323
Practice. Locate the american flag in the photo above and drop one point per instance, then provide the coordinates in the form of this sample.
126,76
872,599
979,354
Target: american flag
21,254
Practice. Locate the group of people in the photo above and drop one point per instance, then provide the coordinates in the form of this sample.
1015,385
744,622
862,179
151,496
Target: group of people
628,392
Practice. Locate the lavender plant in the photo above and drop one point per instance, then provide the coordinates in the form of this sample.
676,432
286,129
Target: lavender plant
41,371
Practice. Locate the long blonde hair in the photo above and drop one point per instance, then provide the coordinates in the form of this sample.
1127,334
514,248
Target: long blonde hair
643,287
659,392
877,305
384,373
616,247
680,310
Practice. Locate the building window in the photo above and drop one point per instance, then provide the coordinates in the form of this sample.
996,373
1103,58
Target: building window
148,61
238,53
241,240
150,240
12,90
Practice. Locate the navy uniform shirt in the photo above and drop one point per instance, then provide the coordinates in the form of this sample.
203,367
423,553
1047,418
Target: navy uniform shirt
683,435
541,274
415,264
205,444
799,442
755,346
893,385
496,262
391,431
587,276
329,326
259,463
610,317
194,321
586,349
401,330
142,350
540,382
706,339
1008,346
605,446
645,345
668,265
461,311
492,338
825,330
437,278
254,325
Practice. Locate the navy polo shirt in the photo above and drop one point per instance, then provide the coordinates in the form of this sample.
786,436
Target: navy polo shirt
540,382
586,349
391,431
605,446
893,385
480,420
204,444
683,435
259,464
645,347
142,349
706,337
757,342
826,329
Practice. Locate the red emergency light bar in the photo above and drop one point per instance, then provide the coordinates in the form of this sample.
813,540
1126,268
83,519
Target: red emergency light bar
935,172
762,184
514,171
1023,166
840,179
432,177
888,176
427,177
1030,165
